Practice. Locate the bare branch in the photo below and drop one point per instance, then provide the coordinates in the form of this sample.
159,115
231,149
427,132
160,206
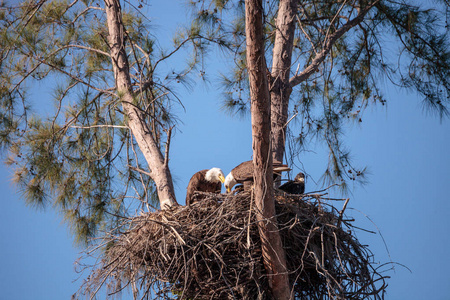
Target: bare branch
86,48
341,213
328,44
307,36
166,154
140,170
99,126
107,91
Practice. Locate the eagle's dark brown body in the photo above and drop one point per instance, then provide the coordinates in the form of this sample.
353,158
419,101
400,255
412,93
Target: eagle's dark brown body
199,183
296,186
243,173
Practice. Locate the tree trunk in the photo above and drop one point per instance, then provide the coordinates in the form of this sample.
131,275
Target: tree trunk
280,90
272,248
159,169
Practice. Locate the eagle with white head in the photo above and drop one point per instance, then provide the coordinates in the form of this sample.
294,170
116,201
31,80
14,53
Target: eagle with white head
204,181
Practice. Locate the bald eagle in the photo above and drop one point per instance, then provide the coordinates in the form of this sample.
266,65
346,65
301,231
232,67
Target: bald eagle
296,186
204,181
243,173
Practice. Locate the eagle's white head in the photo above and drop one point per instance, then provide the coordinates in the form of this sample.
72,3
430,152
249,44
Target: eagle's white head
215,175
229,182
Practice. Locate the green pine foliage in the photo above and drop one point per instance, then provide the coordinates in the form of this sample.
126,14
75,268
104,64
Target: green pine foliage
71,149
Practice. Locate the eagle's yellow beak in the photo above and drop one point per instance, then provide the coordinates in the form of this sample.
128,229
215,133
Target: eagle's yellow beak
228,189
221,178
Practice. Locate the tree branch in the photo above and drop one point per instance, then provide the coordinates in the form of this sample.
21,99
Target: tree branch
166,154
159,171
99,126
140,170
86,48
328,44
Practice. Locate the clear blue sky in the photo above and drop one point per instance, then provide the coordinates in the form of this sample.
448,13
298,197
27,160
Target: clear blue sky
405,149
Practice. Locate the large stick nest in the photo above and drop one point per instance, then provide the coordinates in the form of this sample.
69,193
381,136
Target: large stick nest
212,250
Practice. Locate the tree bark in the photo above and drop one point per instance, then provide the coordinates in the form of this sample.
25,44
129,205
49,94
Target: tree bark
272,248
159,169
280,89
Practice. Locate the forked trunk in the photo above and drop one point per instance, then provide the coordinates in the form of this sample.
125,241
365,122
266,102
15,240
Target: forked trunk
272,248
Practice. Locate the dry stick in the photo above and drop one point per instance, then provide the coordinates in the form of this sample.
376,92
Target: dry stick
166,153
174,230
341,213
339,257
249,218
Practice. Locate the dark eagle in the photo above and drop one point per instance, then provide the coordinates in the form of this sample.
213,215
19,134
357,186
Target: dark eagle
296,186
243,173
204,181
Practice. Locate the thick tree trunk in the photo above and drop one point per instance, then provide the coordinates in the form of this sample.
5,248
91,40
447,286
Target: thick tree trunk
272,248
280,89
159,169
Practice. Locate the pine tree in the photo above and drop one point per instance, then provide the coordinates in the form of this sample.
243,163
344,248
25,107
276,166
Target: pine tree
327,61
103,151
